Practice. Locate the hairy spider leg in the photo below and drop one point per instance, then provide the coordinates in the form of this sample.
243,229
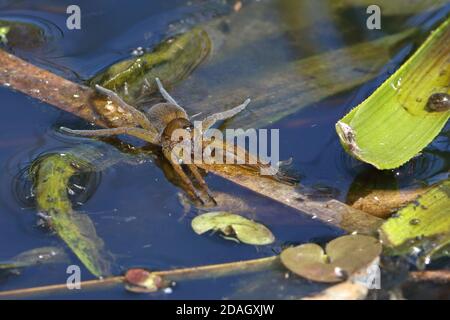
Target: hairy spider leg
137,115
179,170
209,121
165,94
204,187
140,133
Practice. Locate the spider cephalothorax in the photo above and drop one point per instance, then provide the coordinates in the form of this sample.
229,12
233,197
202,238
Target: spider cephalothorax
157,126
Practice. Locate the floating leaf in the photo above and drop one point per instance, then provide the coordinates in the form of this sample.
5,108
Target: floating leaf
142,281
171,61
51,175
425,223
247,231
344,256
394,124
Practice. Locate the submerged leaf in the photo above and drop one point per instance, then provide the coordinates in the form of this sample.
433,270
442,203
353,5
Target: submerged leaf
247,231
344,256
51,176
394,124
249,61
21,35
171,61
425,223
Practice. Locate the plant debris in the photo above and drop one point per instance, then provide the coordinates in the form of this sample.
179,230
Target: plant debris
230,224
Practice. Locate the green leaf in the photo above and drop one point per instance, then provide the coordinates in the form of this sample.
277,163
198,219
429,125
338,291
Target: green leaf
51,175
423,224
171,61
394,124
344,256
247,231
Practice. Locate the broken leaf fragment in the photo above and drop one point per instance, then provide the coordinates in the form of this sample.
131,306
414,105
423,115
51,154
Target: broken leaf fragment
394,124
230,224
142,281
342,257
423,225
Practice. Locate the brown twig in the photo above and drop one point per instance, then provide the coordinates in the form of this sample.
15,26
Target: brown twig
437,276
209,271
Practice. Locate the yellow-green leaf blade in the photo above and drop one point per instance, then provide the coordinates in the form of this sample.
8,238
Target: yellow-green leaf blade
51,175
393,124
428,218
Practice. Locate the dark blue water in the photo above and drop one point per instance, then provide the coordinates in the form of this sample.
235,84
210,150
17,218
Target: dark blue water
134,208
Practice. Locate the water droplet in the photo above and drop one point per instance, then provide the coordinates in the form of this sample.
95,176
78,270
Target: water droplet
414,221
168,290
397,84
139,51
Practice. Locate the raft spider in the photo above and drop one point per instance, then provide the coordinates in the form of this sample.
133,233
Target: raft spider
157,125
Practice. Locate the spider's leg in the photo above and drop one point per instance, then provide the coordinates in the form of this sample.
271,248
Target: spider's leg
201,181
137,115
143,134
191,189
165,94
209,121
